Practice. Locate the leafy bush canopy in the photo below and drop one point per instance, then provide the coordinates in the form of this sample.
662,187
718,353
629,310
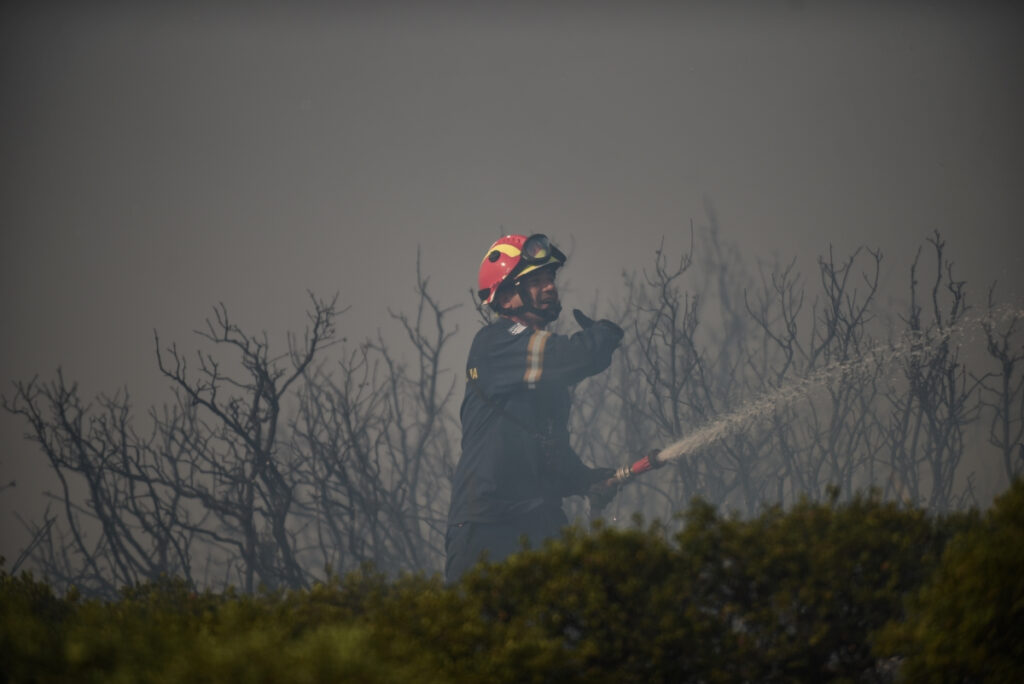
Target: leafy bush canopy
863,590
965,622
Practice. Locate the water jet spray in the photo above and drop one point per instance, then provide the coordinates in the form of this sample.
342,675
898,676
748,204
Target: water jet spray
914,344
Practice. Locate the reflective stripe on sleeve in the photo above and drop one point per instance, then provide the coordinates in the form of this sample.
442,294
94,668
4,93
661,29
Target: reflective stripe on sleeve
535,357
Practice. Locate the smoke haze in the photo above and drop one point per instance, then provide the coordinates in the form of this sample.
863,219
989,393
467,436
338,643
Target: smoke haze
157,160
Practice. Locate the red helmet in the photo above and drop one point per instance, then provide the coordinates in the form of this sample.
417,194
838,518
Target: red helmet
514,256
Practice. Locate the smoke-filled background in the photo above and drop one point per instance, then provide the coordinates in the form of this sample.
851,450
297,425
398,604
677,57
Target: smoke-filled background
159,159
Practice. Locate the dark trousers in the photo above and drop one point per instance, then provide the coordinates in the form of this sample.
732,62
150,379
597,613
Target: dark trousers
466,542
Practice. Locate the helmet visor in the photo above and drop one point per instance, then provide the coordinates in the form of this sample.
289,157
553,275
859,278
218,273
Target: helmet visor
538,250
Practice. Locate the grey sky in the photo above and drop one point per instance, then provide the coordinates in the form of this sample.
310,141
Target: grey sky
155,161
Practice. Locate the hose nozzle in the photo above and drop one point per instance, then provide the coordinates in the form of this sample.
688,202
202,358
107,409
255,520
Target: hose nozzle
650,461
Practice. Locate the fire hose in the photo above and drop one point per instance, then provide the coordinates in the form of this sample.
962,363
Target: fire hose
652,460
601,495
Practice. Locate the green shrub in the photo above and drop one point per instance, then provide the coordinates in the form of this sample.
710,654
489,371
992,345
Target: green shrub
789,595
164,632
32,628
966,623
605,606
793,595
802,591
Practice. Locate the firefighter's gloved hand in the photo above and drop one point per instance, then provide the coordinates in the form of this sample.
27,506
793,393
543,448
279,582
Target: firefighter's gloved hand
600,496
599,476
583,319
601,493
587,322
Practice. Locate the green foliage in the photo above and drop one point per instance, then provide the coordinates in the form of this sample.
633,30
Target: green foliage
165,631
801,592
32,628
794,595
965,623
606,606
789,595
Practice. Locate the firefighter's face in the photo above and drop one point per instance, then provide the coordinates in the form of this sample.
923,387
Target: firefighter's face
543,305
541,288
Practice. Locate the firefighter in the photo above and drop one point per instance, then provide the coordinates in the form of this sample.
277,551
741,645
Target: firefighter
516,464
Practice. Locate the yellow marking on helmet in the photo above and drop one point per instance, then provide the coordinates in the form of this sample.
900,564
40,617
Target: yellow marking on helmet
531,269
507,250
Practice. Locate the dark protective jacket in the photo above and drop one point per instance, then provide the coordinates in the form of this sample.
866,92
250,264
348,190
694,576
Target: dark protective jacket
515,439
